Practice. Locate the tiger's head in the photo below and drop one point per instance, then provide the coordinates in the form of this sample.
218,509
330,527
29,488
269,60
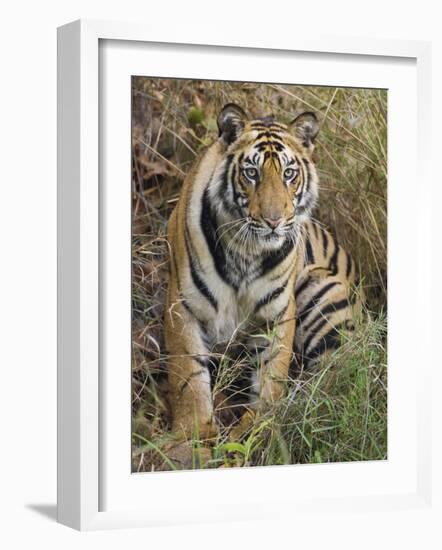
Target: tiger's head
268,177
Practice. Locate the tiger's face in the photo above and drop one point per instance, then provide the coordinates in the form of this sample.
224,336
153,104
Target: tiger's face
270,179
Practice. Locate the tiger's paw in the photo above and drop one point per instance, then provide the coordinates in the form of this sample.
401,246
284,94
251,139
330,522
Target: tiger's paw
243,426
184,455
203,430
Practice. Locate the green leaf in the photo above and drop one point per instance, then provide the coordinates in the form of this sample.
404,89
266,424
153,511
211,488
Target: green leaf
195,115
317,457
234,447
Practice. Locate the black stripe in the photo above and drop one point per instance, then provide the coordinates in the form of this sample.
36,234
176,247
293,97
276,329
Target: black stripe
314,300
269,135
201,324
333,265
272,259
208,227
329,341
196,278
262,146
314,333
201,285
329,308
267,123
281,313
310,259
349,264
186,382
307,180
276,162
259,126
224,180
315,229
189,244
305,172
307,169
324,242
277,145
303,285
237,195
270,297
202,362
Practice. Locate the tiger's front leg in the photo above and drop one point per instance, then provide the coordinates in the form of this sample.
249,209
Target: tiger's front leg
275,360
189,375
268,383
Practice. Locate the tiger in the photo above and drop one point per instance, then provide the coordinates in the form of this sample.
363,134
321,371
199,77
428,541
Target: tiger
247,257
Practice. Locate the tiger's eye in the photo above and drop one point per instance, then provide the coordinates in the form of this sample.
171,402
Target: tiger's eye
289,173
251,173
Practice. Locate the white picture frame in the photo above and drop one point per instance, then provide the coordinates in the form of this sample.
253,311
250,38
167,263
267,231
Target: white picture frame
81,443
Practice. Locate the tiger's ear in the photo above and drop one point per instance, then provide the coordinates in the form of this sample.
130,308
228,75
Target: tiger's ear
231,121
305,127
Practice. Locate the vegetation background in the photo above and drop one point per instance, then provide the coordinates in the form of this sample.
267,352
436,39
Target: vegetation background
338,412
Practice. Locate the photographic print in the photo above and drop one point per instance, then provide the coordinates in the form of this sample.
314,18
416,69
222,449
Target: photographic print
259,274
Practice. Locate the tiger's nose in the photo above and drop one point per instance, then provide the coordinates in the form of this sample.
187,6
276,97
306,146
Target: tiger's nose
273,222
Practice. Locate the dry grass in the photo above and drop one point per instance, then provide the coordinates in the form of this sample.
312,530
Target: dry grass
337,413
